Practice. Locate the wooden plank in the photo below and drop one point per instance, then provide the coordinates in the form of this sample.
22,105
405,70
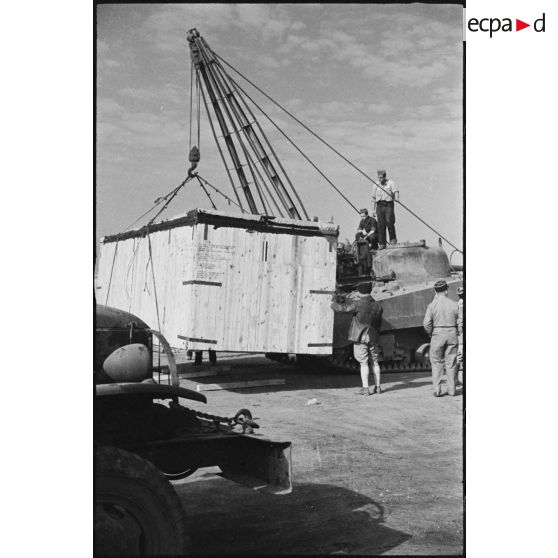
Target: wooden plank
243,384
213,371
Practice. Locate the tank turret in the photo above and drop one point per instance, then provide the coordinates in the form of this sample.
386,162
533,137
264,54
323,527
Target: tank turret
414,263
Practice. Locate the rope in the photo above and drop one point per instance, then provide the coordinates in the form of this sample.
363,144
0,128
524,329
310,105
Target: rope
111,270
191,95
334,150
130,265
218,191
206,193
170,196
154,285
272,151
296,146
158,202
199,111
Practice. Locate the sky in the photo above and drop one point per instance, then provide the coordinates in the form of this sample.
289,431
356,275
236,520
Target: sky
381,83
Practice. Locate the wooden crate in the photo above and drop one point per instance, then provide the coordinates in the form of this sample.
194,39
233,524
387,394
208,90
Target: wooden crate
228,282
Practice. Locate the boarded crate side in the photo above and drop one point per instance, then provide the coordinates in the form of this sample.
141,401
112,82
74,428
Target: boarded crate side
226,288
145,278
212,253
315,314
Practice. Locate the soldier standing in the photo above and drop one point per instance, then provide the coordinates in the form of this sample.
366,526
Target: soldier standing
364,333
383,202
441,323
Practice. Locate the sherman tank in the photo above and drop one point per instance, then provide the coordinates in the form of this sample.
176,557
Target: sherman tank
403,277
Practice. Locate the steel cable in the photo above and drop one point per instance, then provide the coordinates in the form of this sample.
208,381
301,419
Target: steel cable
332,148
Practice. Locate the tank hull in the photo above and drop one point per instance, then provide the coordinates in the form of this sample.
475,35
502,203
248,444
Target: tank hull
404,301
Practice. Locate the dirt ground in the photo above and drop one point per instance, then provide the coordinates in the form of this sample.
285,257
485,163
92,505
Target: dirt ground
371,475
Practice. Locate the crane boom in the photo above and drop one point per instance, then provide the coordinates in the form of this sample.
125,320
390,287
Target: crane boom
254,166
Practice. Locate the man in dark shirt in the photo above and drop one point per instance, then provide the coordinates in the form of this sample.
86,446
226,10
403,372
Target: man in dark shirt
364,332
367,229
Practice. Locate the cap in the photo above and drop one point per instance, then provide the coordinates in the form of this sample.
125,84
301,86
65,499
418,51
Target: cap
440,286
382,173
461,291
363,210
364,288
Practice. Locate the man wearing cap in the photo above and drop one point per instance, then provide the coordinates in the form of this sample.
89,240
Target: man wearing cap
364,333
441,322
383,196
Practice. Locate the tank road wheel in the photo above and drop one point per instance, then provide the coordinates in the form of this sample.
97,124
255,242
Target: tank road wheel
422,356
137,511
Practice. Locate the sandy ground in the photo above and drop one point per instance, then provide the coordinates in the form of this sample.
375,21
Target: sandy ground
371,475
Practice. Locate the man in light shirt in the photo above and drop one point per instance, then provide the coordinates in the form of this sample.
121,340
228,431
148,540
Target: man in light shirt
442,322
383,196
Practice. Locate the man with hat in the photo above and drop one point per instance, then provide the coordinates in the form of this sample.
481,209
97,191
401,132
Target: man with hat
441,322
364,332
383,196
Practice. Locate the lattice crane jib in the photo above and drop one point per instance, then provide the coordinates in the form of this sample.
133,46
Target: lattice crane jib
252,165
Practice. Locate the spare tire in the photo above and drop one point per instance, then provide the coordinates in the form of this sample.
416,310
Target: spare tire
137,511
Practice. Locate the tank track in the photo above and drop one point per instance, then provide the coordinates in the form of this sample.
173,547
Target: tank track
343,361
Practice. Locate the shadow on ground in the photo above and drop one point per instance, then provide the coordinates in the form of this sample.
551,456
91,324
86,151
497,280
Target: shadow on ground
314,519
301,378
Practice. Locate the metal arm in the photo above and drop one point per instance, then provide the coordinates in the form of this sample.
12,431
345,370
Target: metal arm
241,137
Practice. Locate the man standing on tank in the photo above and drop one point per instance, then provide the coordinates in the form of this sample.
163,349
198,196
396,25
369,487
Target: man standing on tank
441,322
364,332
384,195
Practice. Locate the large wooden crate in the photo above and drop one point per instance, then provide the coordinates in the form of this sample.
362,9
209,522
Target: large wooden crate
227,282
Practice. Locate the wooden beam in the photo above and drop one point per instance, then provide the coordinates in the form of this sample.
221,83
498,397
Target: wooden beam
244,384
201,373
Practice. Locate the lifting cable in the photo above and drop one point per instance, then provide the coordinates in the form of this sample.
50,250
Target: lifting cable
217,190
111,270
198,86
328,145
295,146
158,202
206,192
191,96
169,197
154,285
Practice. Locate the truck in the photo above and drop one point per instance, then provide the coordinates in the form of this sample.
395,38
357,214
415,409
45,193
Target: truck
145,439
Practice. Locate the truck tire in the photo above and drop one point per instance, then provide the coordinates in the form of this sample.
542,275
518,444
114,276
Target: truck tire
137,511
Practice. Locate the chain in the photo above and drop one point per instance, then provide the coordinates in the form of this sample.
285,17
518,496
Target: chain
217,420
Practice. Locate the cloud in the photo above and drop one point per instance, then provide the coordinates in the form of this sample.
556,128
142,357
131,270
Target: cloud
102,47
170,94
412,52
107,106
379,108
